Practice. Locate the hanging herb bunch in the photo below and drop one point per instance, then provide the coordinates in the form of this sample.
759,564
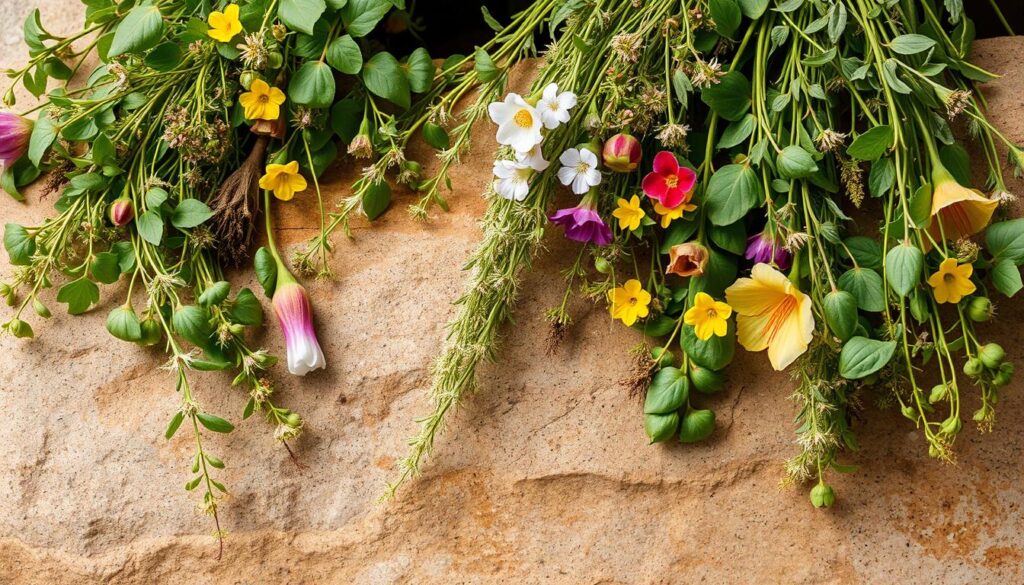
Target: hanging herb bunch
165,154
715,152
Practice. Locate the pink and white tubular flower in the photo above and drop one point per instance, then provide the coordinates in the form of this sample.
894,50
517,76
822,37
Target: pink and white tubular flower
15,132
291,305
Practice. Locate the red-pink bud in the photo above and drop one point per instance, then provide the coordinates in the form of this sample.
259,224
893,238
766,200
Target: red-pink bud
121,211
622,153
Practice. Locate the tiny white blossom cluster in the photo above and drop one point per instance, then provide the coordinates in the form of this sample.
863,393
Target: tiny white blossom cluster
521,125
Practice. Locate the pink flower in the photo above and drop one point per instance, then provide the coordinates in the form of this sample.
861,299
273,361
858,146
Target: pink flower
762,249
669,183
121,211
14,134
583,224
622,153
291,305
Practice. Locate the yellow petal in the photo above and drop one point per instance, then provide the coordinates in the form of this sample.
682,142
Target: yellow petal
231,12
792,338
297,183
276,96
217,21
749,331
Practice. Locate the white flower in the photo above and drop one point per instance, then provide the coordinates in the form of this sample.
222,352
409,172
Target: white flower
554,107
513,179
533,157
518,122
579,168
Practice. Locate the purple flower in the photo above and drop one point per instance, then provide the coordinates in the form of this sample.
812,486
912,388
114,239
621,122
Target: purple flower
14,134
762,248
583,224
296,318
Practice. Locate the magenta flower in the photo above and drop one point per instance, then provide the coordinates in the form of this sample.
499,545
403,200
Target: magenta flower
582,223
669,183
291,305
14,134
762,249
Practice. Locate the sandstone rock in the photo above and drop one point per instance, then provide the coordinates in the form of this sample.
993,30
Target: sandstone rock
544,476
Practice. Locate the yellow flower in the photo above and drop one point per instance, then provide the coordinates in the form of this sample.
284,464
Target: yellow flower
629,302
707,316
771,313
669,214
952,282
961,212
224,25
262,102
284,180
629,213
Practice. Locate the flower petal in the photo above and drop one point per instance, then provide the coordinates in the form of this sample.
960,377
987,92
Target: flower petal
665,163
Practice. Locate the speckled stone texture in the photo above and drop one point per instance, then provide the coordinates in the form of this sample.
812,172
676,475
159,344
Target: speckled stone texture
544,477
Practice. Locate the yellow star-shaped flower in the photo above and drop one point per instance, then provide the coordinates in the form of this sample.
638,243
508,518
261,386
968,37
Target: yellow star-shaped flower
224,25
668,215
262,102
952,282
629,302
629,213
708,317
284,180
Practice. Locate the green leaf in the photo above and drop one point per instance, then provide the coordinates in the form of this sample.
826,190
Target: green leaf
435,136
43,134
164,57
840,309
730,97
491,22
175,423
155,197
344,55
361,16
872,144
957,161
866,286
123,324
731,238
19,244
346,116
150,227
660,427
921,206
911,44
727,16
753,9
140,30
1006,277
420,71
301,15
737,132
105,267
190,213
903,266
732,192
193,323
862,357
376,200
668,392
265,268
246,309
866,251
313,85
383,77
796,163
485,68
1004,240
79,295
714,353
696,426
214,423
215,293
882,177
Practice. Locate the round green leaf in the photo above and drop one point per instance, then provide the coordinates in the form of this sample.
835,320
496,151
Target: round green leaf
141,29
312,85
866,286
696,426
862,357
796,163
730,97
732,192
903,266
660,426
668,392
384,77
714,353
123,324
376,200
420,70
344,55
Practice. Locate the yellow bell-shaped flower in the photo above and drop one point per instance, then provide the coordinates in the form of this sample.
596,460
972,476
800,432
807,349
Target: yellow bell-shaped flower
957,212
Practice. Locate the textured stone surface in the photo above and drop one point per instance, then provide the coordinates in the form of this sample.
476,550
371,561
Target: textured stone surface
545,476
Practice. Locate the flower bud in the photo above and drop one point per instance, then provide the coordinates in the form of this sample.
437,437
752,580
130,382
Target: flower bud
273,128
1001,379
622,153
602,265
275,60
973,367
705,381
40,309
19,328
822,496
980,309
291,305
1006,367
991,355
687,259
246,78
121,211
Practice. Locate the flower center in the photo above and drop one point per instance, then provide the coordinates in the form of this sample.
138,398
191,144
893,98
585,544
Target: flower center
948,278
553,106
582,167
779,315
672,181
523,118
264,98
633,301
712,314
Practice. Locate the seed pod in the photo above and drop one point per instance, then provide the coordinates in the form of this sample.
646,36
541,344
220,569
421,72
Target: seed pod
696,426
910,412
40,309
660,426
1001,379
980,309
274,60
938,393
991,355
602,265
151,332
841,313
951,425
822,496
246,78
20,329
1006,367
973,367
705,381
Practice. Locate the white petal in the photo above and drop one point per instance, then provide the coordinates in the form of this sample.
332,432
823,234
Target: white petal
570,158
551,92
507,133
521,190
588,157
526,139
567,175
500,112
592,177
579,184
567,100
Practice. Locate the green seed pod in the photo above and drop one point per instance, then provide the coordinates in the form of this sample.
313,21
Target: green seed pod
40,309
706,381
980,309
822,496
951,425
664,357
992,355
275,60
602,265
293,420
910,412
246,78
841,313
696,426
151,332
5,289
11,299
973,367
660,426
236,329
979,415
933,451
20,329
938,393
1001,379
